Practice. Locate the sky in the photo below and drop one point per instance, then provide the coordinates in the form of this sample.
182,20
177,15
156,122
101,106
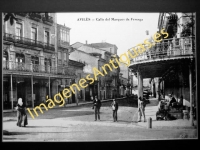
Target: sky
125,30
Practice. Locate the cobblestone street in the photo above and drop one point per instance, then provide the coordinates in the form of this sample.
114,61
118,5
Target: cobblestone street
77,124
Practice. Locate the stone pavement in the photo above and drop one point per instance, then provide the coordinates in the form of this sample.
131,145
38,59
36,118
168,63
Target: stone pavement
69,105
151,110
77,123
126,114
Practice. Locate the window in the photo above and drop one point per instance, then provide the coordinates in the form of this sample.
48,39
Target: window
67,36
34,34
18,30
47,63
64,35
46,37
35,62
20,58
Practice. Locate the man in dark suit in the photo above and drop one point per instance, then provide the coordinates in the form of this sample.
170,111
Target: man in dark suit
97,106
114,106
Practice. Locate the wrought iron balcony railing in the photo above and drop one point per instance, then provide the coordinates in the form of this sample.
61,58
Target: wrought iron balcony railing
29,67
66,71
27,41
47,19
35,16
21,14
167,48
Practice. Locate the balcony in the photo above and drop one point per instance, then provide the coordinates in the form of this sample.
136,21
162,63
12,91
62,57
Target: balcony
21,14
35,16
47,19
29,67
27,42
66,71
63,44
167,48
48,46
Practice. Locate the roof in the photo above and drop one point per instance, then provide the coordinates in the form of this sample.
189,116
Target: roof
77,45
75,63
63,26
102,45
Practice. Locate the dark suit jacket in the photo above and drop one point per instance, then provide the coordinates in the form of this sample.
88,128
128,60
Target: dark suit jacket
97,103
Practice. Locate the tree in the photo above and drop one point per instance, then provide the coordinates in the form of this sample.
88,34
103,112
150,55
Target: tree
11,17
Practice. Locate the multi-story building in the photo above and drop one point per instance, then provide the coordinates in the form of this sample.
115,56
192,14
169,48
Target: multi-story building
172,60
66,66
89,62
107,86
123,85
112,79
30,64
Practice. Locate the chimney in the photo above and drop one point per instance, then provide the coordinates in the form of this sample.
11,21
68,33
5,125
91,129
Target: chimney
86,42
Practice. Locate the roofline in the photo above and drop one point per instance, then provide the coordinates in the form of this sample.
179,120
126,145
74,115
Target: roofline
63,26
84,52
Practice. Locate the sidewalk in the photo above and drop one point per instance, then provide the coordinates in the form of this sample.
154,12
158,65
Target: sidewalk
150,111
65,106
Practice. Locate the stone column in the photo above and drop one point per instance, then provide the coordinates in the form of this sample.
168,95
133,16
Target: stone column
11,91
163,85
140,85
50,88
154,89
191,103
32,91
158,91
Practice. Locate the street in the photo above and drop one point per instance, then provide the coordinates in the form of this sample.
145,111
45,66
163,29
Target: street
77,124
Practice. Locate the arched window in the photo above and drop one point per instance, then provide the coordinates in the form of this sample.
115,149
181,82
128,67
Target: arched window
5,55
35,62
5,59
20,60
47,62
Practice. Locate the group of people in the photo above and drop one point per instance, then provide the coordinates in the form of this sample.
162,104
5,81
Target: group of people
22,120
171,102
114,106
97,106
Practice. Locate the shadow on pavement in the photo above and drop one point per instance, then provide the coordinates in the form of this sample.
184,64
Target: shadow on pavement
17,133
45,127
9,138
63,114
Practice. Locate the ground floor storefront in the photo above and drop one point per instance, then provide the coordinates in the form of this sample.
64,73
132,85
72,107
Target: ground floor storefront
33,89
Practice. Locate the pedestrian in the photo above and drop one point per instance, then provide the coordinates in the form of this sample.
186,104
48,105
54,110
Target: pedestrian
141,109
114,106
21,114
97,106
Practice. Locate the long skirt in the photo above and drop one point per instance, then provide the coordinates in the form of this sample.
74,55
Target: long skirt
22,118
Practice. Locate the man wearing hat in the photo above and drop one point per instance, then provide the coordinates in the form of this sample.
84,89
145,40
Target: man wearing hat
97,106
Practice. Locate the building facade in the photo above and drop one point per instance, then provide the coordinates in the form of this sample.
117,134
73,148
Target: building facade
105,87
30,60
171,62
